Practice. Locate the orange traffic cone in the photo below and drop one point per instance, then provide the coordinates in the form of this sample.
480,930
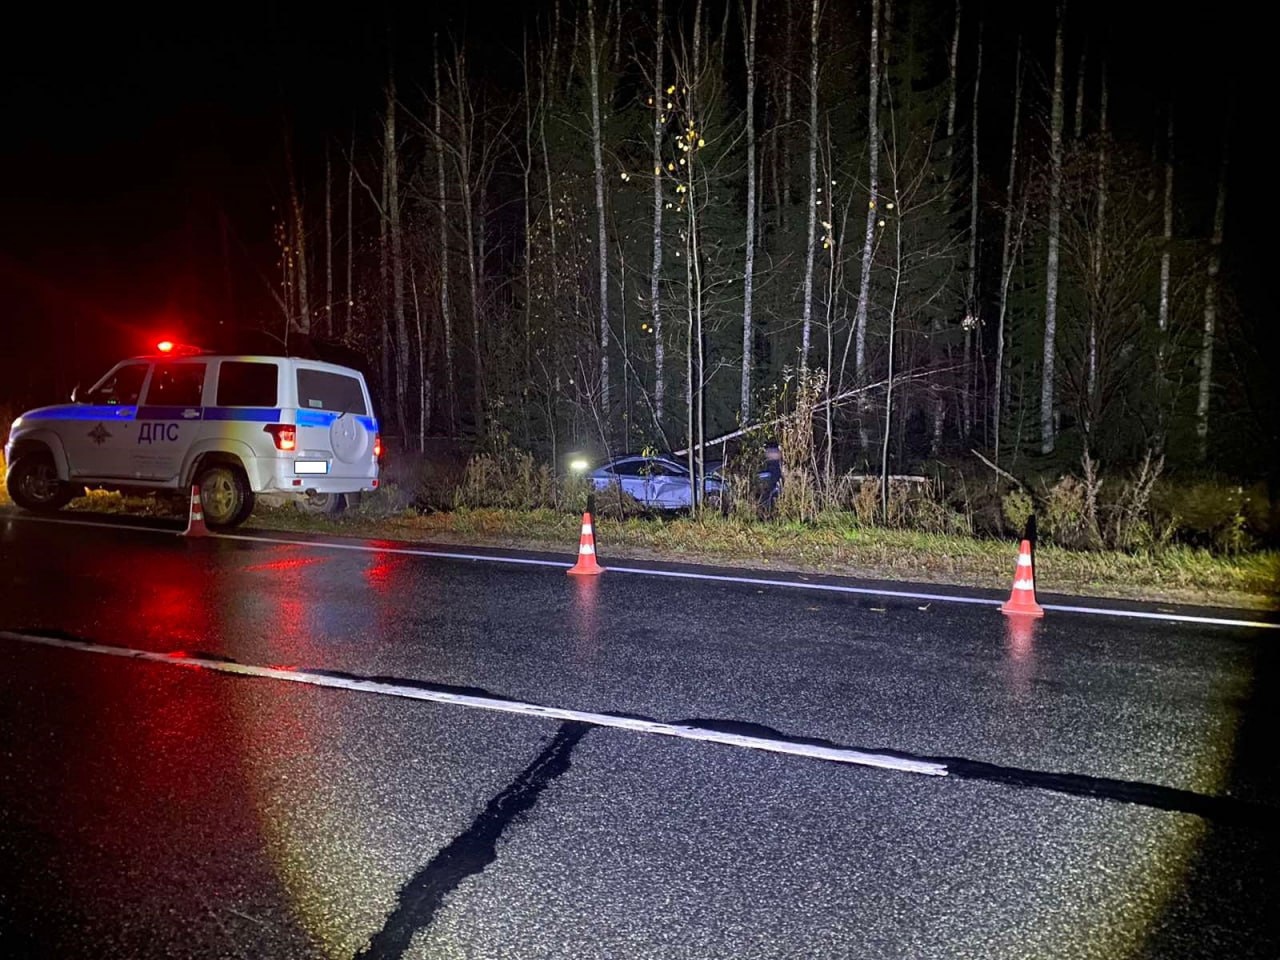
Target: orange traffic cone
1022,601
195,519
586,565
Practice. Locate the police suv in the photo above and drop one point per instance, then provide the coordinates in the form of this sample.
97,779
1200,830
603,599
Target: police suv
235,425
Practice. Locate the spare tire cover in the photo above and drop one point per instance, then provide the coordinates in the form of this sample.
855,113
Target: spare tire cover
349,438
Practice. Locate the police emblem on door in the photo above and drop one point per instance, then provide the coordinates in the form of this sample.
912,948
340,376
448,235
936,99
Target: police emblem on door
99,434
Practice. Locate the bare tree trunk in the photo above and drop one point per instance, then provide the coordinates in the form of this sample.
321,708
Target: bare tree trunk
391,159
873,214
1166,255
1055,227
655,274
953,96
299,246
544,85
526,170
953,64
424,365
351,245
555,46
749,26
1100,235
617,46
893,330
328,243
967,398
446,310
466,137
1006,257
1078,119
697,388
602,242
384,284
1211,307
783,144
810,237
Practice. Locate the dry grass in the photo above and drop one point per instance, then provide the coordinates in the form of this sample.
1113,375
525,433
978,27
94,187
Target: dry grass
834,543
837,544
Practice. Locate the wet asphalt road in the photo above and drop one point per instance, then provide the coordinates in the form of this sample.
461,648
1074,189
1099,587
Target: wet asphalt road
1114,789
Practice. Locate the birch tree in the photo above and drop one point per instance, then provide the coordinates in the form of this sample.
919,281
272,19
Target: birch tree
602,241
811,232
1100,243
391,161
1166,256
446,308
953,95
873,212
1007,249
749,28
328,242
655,273
971,322
1055,222
1211,308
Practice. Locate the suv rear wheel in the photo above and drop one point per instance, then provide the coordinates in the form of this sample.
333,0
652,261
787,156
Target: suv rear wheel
225,497
34,485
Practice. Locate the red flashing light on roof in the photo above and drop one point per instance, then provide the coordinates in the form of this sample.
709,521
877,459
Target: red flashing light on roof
171,348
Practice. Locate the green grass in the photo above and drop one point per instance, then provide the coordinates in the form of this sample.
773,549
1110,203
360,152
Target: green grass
834,544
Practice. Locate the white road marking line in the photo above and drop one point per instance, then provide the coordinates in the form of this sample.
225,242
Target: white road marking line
845,755
690,575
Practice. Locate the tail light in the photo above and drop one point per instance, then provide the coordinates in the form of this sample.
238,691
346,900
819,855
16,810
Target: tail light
284,434
377,446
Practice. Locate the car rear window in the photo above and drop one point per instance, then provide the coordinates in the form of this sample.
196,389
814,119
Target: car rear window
242,383
322,390
176,385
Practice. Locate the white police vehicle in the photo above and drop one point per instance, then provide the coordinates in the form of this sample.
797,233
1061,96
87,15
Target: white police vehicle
236,425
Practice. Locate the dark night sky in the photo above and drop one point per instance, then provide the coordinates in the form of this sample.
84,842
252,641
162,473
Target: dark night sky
130,132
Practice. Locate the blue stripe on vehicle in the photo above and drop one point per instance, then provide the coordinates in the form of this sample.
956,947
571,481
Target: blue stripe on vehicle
315,418
84,412
305,418
325,418
169,413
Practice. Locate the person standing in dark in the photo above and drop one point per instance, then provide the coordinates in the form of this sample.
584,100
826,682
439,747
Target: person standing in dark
771,477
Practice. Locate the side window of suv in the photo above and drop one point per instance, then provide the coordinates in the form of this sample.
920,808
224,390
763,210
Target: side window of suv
120,388
242,383
176,385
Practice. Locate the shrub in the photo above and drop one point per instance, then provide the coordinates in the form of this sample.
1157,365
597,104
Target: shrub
1063,516
1214,514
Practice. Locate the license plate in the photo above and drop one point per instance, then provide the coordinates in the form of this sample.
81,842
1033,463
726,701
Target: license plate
311,466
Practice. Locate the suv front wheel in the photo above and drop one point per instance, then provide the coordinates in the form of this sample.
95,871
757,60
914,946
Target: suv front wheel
225,497
34,485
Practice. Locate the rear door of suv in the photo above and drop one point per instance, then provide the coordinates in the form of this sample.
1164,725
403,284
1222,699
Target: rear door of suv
336,428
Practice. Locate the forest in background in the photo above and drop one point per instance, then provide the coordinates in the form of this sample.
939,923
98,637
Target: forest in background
928,228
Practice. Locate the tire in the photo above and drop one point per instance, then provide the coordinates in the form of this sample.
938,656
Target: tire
34,485
225,497
322,504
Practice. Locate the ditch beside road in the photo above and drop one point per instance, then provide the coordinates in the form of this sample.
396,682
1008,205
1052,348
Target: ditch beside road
838,546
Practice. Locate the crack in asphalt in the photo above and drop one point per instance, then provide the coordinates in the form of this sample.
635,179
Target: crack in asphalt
1226,809
471,851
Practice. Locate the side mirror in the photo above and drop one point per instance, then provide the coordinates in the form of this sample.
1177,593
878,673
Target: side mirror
75,393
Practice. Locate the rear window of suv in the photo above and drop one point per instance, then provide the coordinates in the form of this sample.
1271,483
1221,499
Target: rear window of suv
245,384
322,390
